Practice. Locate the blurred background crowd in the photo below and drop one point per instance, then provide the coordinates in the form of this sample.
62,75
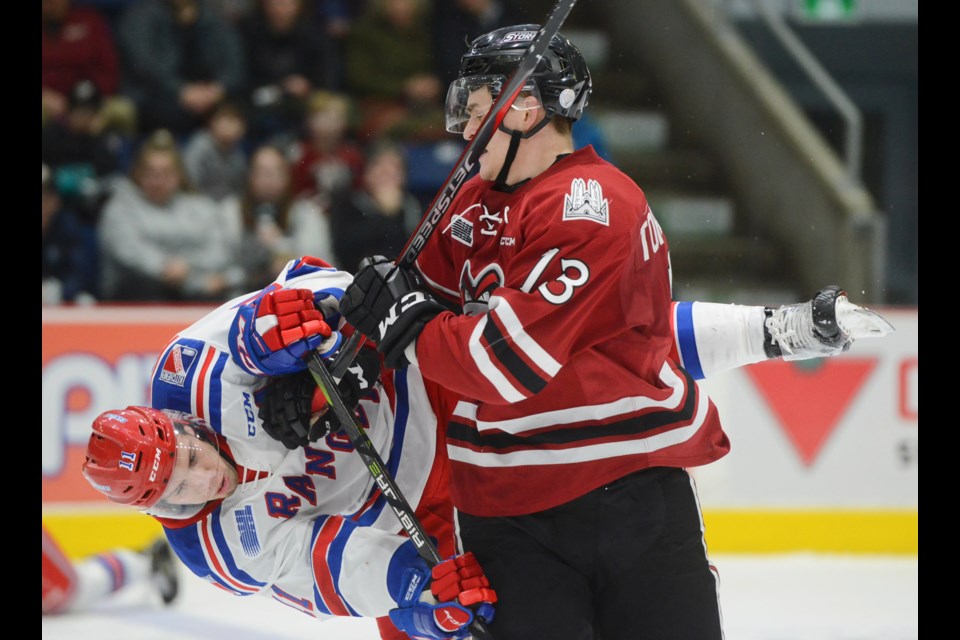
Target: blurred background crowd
191,147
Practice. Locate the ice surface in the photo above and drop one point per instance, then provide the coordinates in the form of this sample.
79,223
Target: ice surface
783,597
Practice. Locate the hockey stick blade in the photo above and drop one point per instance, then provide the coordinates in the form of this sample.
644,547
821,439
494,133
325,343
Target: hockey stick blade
378,469
859,322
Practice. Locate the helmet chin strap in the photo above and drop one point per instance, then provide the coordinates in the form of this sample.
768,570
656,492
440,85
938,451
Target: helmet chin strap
515,138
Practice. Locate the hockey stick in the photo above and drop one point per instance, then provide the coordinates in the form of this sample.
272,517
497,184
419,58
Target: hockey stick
467,161
327,379
375,465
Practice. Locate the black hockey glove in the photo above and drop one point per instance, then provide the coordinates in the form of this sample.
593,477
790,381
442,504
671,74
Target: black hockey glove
290,403
386,305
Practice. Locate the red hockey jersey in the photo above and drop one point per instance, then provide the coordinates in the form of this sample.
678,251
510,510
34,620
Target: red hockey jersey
561,359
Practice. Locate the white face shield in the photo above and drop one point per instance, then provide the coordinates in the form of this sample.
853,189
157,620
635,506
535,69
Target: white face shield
469,99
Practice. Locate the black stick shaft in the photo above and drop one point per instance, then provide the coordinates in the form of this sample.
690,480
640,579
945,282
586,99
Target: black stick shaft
441,203
468,159
375,465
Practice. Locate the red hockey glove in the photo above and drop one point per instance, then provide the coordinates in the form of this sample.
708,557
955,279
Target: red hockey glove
272,333
461,578
458,592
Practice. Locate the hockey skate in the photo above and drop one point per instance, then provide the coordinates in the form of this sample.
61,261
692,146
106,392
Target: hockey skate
824,326
163,570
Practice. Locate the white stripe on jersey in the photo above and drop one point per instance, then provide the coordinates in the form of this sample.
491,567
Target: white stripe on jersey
587,453
583,413
489,370
538,270
521,338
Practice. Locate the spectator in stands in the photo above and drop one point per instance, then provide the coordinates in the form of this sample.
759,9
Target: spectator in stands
214,157
377,219
390,66
459,22
158,241
73,587
328,160
233,11
83,156
286,61
76,44
68,250
180,60
268,226
334,19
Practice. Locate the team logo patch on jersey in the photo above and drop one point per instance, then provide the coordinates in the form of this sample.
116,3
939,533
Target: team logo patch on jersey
475,291
585,202
177,365
461,230
247,528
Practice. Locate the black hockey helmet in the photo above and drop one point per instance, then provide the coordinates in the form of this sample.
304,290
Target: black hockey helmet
561,78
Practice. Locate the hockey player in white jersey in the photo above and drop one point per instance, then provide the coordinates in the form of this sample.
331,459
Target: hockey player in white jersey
307,526
261,508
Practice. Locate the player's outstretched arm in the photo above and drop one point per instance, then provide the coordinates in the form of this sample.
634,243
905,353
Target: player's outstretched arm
711,338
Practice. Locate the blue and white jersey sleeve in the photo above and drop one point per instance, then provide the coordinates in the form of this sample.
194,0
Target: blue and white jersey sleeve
196,373
710,338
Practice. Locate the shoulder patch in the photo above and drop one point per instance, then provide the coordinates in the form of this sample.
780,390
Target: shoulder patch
177,365
461,230
586,202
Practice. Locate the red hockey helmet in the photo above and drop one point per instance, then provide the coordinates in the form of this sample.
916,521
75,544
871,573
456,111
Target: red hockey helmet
131,455
166,463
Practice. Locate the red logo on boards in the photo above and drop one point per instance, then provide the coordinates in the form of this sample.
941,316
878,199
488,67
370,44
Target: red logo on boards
809,399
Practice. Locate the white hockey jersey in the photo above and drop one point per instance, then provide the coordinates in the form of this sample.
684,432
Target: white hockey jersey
307,527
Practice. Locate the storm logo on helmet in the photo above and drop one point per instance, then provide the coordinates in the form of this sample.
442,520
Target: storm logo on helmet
519,36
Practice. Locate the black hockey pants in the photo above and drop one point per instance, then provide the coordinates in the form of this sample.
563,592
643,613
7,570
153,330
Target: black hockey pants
626,561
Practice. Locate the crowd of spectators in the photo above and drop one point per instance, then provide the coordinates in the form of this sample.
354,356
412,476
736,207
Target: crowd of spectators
190,147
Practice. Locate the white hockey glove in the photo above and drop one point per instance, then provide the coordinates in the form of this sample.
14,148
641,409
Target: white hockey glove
824,326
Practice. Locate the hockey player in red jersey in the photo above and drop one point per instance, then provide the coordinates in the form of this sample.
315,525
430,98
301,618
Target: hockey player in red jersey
569,446
254,504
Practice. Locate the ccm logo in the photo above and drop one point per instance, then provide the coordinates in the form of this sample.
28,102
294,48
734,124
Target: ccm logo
156,466
407,301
